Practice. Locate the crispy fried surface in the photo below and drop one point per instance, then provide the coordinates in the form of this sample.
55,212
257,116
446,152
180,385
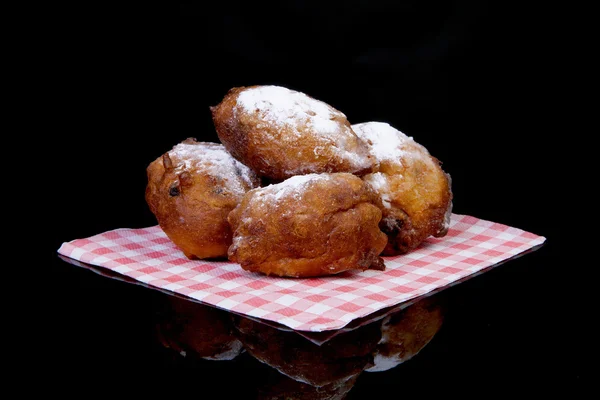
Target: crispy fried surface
415,191
280,133
191,190
309,225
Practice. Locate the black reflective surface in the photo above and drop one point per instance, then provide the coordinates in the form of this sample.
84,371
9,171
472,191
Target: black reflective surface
113,86
462,337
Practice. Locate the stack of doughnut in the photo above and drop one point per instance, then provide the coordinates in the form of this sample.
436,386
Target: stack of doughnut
295,190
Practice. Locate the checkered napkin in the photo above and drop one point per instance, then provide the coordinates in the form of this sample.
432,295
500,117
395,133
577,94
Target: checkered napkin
312,304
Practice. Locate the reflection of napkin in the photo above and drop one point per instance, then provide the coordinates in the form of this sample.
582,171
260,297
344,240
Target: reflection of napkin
311,304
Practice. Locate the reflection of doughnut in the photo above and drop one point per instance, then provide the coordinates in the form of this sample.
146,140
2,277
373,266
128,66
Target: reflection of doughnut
280,133
405,333
414,189
335,361
196,330
308,225
191,189
276,386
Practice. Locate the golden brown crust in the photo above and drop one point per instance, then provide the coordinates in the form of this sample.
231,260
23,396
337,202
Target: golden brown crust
191,190
421,199
416,191
310,225
281,133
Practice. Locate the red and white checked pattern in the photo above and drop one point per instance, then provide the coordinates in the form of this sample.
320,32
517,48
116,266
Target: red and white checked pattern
313,304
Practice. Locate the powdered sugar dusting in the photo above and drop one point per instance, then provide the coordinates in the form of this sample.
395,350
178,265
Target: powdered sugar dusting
212,158
380,183
293,186
447,218
384,141
269,198
288,191
448,214
284,108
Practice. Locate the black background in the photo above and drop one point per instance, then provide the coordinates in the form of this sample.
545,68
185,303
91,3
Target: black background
120,85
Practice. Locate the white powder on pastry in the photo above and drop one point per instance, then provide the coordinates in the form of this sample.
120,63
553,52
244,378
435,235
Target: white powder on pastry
291,187
380,183
384,141
213,159
280,107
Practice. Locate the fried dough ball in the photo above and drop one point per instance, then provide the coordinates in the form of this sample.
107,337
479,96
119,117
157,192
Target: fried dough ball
405,333
337,360
308,225
191,190
197,331
415,192
280,133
